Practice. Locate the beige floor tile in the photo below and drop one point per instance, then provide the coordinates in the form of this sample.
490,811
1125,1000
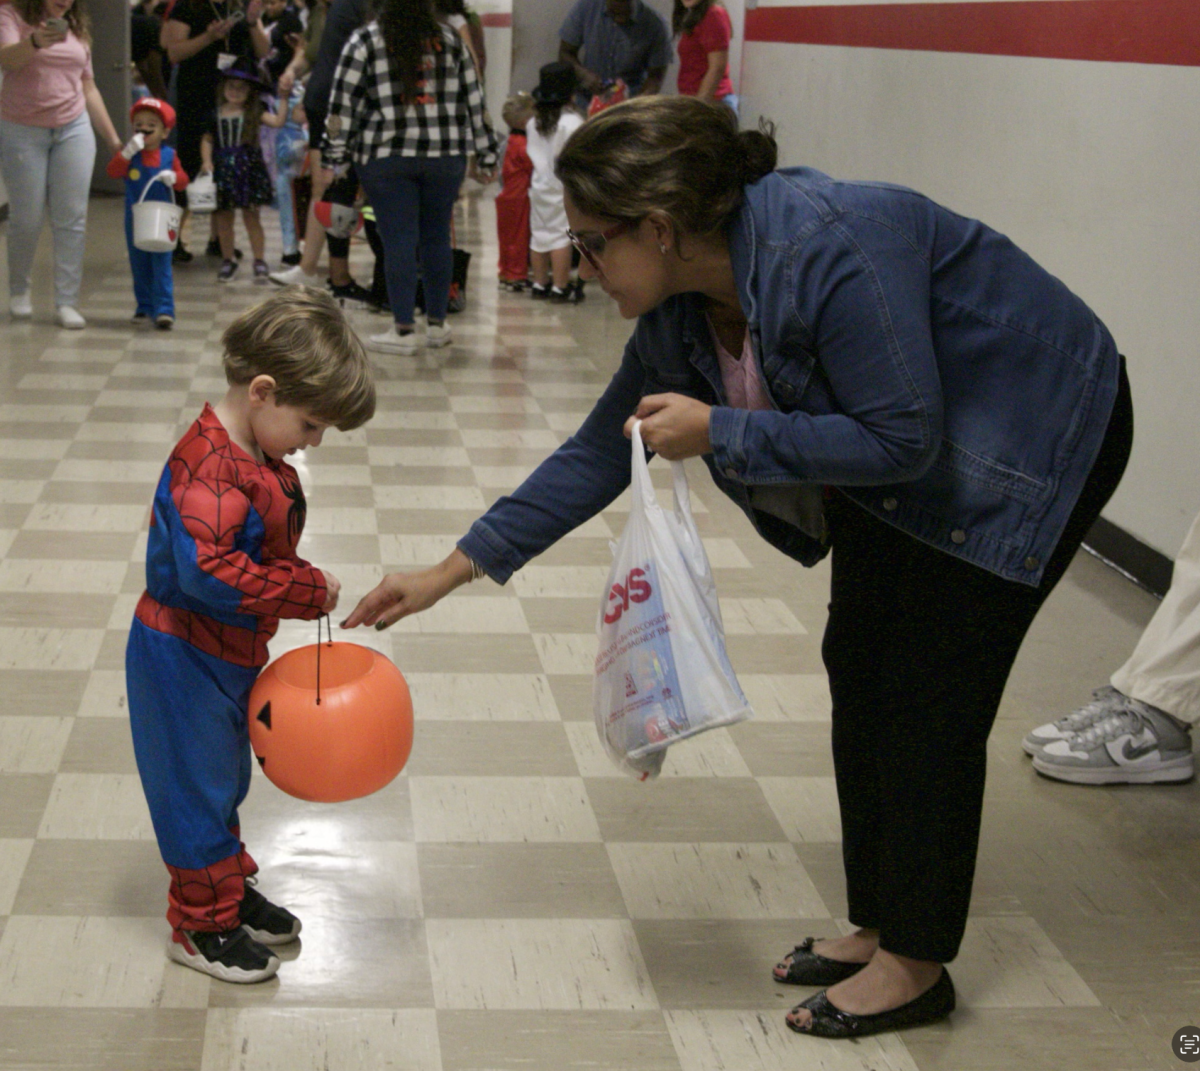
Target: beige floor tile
418,455
777,749
538,964
725,554
711,754
566,652
90,1039
96,807
351,963
502,477
20,491
787,696
73,547
93,962
34,449
91,518
410,550
757,616
341,521
518,881
561,581
447,653
704,964
467,614
349,1039
298,828
482,696
714,881
22,803
104,696
1011,963
723,1040
807,807
162,434
500,809
43,414
113,878
99,745
683,809
402,497
487,748
14,855
33,745
559,1040
48,648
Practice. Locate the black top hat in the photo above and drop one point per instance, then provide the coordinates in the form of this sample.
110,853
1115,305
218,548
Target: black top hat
556,84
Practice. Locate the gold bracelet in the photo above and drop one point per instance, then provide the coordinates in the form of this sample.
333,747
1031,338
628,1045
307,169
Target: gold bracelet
476,570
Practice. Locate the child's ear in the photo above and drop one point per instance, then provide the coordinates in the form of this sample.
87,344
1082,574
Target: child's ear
261,390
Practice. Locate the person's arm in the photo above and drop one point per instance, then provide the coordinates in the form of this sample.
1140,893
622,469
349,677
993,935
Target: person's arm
181,176
345,101
487,145
179,46
212,570
296,69
98,114
274,119
15,55
206,151
260,40
653,82
152,74
588,80
717,62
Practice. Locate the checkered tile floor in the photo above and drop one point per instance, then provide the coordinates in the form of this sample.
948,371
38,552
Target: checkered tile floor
510,901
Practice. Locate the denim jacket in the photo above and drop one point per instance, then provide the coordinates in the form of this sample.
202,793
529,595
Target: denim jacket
916,359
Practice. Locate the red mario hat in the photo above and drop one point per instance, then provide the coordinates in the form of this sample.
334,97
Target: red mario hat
160,108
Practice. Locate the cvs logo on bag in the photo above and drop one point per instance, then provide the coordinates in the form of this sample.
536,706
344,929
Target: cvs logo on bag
635,589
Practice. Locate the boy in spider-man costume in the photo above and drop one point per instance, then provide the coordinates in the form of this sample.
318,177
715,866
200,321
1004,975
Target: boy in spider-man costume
221,570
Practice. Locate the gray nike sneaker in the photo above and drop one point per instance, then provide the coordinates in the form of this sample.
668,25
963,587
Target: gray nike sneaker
1138,745
1105,702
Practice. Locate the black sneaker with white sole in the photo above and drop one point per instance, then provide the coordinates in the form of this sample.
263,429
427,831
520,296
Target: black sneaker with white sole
266,922
231,956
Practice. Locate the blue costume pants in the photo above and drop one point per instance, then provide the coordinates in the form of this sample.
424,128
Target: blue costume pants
153,285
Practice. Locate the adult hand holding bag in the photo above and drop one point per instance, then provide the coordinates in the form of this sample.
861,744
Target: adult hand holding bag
661,672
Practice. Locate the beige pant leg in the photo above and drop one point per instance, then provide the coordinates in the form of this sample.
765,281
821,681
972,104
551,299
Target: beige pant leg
1164,669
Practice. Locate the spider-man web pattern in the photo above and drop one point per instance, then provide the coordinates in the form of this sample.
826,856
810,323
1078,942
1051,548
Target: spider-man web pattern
207,900
221,565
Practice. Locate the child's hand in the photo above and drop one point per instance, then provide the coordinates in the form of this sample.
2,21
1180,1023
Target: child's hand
133,146
333,590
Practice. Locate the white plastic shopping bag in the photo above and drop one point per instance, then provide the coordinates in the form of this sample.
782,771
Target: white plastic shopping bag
662,673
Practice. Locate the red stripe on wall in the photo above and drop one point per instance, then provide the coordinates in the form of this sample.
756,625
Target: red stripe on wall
1116,31
497,18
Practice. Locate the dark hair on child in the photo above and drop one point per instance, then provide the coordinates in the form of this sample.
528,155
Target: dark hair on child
547,114
685,19
680,156
408,28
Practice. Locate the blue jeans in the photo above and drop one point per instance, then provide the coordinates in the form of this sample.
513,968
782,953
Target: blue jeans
413,198
48,166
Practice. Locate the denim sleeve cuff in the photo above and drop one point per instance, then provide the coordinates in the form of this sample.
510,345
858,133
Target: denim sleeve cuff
727,436
490,553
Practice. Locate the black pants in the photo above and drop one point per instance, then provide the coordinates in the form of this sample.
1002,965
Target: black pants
918,648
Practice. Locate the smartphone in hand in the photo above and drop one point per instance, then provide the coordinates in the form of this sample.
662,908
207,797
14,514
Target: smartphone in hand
57,25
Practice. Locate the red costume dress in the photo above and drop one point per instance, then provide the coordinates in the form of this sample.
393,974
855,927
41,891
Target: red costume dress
512,210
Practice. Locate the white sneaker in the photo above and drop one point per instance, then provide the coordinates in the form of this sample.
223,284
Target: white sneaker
21,306
391,341
438,335
68,316
1105,702
296,276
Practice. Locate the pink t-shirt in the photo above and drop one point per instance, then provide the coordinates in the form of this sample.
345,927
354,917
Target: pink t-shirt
711,35
743,386
48,90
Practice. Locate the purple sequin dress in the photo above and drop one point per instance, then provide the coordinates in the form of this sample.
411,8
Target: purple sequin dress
240,171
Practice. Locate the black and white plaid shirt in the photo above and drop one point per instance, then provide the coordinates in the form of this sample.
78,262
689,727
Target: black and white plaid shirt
369,118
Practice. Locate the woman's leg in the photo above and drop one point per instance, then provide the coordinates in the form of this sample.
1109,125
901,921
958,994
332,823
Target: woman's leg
72,158
441,180
253,225
392,186
919,647
24,159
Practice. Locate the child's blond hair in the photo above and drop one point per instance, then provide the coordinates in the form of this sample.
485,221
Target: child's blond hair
517,110
300,338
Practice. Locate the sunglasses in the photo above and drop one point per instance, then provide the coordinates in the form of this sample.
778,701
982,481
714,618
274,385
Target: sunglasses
591,246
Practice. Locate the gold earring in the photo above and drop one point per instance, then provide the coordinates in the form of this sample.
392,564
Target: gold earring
662,249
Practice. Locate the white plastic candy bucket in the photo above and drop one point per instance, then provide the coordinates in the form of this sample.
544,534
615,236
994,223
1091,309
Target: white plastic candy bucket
156,223
202,194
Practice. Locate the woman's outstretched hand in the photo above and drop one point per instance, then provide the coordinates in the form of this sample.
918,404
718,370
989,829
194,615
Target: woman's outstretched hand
401,594
674,426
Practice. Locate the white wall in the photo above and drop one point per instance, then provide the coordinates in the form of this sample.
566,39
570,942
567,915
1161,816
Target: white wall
1091,167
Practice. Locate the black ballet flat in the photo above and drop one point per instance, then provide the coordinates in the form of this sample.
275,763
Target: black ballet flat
831,1022
810,968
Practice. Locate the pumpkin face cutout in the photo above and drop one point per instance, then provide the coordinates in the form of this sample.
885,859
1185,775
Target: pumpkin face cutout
350,744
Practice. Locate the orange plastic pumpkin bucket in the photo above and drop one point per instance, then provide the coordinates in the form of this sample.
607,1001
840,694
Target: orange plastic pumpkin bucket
347,740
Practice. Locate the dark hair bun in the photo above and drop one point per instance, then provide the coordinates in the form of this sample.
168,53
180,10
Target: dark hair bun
759,151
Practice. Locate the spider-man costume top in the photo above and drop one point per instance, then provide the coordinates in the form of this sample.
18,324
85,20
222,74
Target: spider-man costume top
221,565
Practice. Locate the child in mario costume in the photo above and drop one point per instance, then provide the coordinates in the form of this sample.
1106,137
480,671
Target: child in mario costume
146,161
